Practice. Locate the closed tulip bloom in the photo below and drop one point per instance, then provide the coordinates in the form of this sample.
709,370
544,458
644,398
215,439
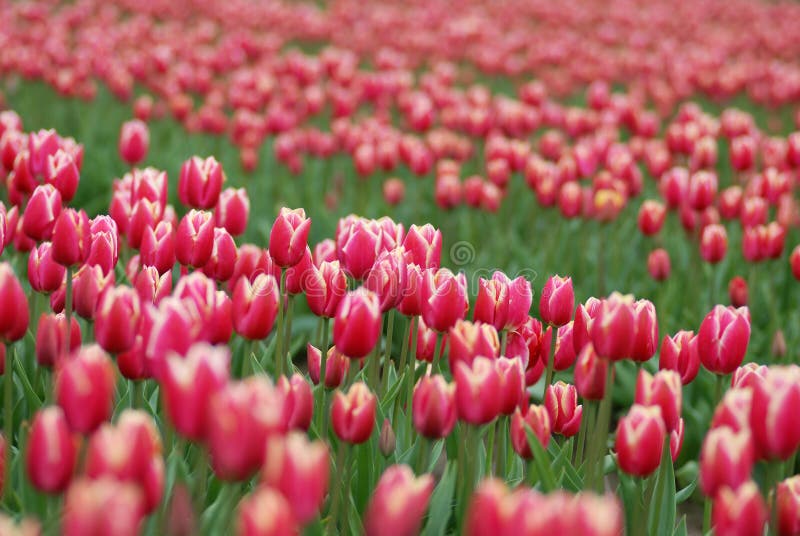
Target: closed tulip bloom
144,214
117,319
88,284
486,512
713,243
737,291
266,512
425,245
538,420
71,237
564,354
353,413
645,332
14,314
387,278
679,353
739,511
557,301
512,391
502,302
662,390
325,285
357,324
233,211
426,342
221,263
726,459
598,515
434,407
255,306
41,213
444,298
582,324
85,409
300,470
194,239
134,140
151,286
411,302
561,402
640,440
651,217
240,418
158,247
44,274
200,182
188,385
62,172
788,500
51,453
794,262
613,329
467,340
288,238
102,506
336,366
477,391
398,503
298,404
772,413
590,374
104,247
358,244
51,338
658,264
722,339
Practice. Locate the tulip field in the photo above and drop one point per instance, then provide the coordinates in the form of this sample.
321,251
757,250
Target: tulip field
477,267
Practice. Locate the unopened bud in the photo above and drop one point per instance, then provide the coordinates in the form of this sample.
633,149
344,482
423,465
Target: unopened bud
387,440
779,344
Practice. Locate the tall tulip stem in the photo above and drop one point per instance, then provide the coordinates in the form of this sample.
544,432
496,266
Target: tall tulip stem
68,310
8,429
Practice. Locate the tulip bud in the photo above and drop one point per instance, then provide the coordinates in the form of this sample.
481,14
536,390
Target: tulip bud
200,182
722,339
51,454
778,347
44,274
299,469
564,354
255,306
195,238
613,329
158,247
726,459
357,245
288,238
41,213
467,341
645,337
88,284
394,190
535,417
598,515
434,408
640,440
651,217
233,211
425,245
774,403
26,527
486,513
591,371
387,442
444,298
325,288
134,140
188,385
353,413
662,390
117,319
788,506
102,506
713,243
411,302
511,391
51,340
733,411
14,314
265,504
221,263
658,264
357,324
398,503
561,402
739,511
85,409
558,301
387,278
737,291
336,366
151,286
298,401
71,237
62,172
679,353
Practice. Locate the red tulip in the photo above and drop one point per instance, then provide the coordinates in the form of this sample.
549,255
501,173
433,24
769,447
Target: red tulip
117,319
561,401
50,338
726,459
84,408
255,306
299,469
104,248
502,302
233,211
444,298
358,244
788,501
387,278
325,287
44,274
658,264
134,140
425,245
535,417
722,339
357,324
640,440
434,408
613,329
739,511
194,240
220,265
558,301
298,401
679,353
71,237
51,455
62,172
88,284
353,413
158,247
200,182
466,341
591,371
151,286
411,302
102,506
702,189
14,314
266,504
399,503
651,217
289,237
336,366
486,513
662,390
394,191
564,354
713,243
645,338
733,411
774,403
41,213
794,262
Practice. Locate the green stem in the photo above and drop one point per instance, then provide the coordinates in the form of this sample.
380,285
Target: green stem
503,342
489,470
201,475
707,515
501,456
68,310
423,455
387,356
279,353
774,472
247,358
338,491
551,357
586,419
437,354
322,391
401,368
373,366
410,372
138,394
287,336
8,430
600,436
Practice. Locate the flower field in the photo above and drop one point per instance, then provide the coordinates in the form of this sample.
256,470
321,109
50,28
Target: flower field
398,268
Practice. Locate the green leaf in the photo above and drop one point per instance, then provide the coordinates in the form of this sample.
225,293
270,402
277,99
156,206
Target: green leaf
387,403
30,394
542,461
686,492
681,530
441,503
661,520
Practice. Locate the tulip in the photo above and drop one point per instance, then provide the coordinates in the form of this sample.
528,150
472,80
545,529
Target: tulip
88,284
676,440
194,240
266,504
613,329
44,274
117,319
679,353
662,390
645,338
427,341
640,440
467,341
200,182
51,455
233,211
221,263
151,286
582,324
289,237
658,264
71,237
85,409
739,511
158,247
104,247
353,413
357,324
325,287
598,515
387,440
62,172
411,302
561,402
564,354
387,278
394,191
538,420
486,512
512,384
425,245
713,243
336,366
188,385
444,298
722,339
134,140
737,291
25,527
794,262
726,459
143,215
41,213
358,244
50,338
502,302
651,217
398,503
772,413
14,314
102,506
591,371
255,306
298,401
299,469
434,407
702,189
557,302
788,506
